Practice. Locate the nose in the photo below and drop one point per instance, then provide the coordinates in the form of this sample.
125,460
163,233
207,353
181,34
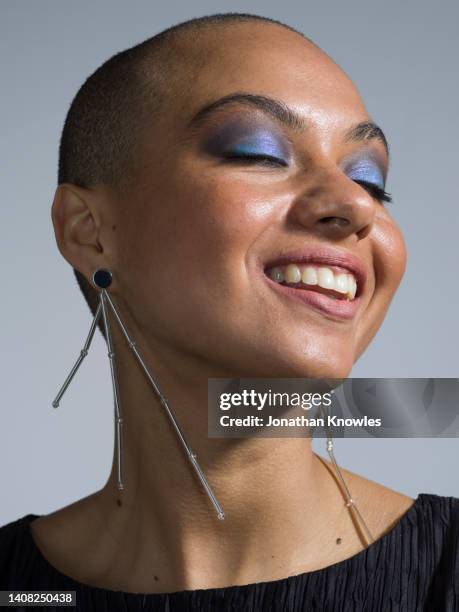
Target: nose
333,206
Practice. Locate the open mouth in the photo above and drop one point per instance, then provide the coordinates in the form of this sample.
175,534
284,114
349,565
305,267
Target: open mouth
331,289
337,283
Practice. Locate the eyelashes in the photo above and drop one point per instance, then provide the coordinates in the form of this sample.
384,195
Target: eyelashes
377,192
374,190
367,173
260,158
254,143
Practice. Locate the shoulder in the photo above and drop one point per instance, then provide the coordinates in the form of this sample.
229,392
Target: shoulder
432,516
384,508
31,545
381,506
14,548
438,517
11,534
430,544
424,530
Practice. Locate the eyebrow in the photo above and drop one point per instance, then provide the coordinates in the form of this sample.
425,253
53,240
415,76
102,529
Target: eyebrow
277,109
366,130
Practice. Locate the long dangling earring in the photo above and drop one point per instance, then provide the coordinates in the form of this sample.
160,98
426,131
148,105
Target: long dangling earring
102,279
350,502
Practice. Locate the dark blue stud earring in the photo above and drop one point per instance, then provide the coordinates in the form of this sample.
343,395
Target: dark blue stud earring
102,278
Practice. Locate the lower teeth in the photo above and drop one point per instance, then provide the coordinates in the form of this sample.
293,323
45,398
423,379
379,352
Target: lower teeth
346,297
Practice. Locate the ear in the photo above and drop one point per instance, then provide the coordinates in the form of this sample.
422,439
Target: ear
76,216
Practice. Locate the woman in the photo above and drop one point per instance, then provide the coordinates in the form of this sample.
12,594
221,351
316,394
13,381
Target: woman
214,170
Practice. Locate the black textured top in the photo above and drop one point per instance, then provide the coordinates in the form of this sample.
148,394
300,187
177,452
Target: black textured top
413,567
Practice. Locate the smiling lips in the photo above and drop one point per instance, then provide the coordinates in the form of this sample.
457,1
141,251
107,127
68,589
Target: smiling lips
337,283
330,281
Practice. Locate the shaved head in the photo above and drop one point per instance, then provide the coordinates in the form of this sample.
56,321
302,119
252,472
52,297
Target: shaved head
103,127
107,114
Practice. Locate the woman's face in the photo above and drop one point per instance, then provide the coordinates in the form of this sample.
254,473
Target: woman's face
225,195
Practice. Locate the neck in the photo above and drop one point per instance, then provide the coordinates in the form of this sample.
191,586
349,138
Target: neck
278,497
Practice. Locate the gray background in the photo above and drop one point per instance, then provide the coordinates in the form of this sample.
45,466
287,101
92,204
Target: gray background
401,54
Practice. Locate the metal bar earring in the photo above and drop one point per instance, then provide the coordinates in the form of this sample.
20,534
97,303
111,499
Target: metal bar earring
350,502
83,353
164,403
102,279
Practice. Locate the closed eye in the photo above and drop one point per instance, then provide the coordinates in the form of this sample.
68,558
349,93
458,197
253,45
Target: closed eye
260,158
269,160
375,191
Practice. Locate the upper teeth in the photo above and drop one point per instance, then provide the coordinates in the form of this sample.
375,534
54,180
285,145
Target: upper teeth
315,275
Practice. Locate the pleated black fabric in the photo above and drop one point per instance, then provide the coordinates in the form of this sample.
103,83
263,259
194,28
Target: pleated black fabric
414,567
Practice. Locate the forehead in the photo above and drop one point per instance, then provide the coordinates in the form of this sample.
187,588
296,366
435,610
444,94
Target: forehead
270,60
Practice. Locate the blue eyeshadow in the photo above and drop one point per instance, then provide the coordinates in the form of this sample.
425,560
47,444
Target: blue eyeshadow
262,143
241,138
366,170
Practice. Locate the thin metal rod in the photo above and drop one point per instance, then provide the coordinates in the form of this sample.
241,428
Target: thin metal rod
116,395
350,502
83,353
191,456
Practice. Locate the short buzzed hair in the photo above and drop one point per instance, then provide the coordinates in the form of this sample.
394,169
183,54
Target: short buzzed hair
102,128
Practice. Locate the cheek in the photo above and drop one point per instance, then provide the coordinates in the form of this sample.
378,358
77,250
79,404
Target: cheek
390,256
193,239
208,224
389,264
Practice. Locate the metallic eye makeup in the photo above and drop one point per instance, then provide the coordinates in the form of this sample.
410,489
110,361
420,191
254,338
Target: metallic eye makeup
366,168
242,137
255,138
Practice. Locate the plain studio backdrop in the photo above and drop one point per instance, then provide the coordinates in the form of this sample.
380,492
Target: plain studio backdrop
402,54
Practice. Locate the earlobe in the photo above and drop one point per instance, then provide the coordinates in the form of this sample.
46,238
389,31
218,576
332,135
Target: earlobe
76,225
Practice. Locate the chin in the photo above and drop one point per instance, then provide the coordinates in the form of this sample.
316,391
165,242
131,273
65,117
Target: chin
310,370
272,362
